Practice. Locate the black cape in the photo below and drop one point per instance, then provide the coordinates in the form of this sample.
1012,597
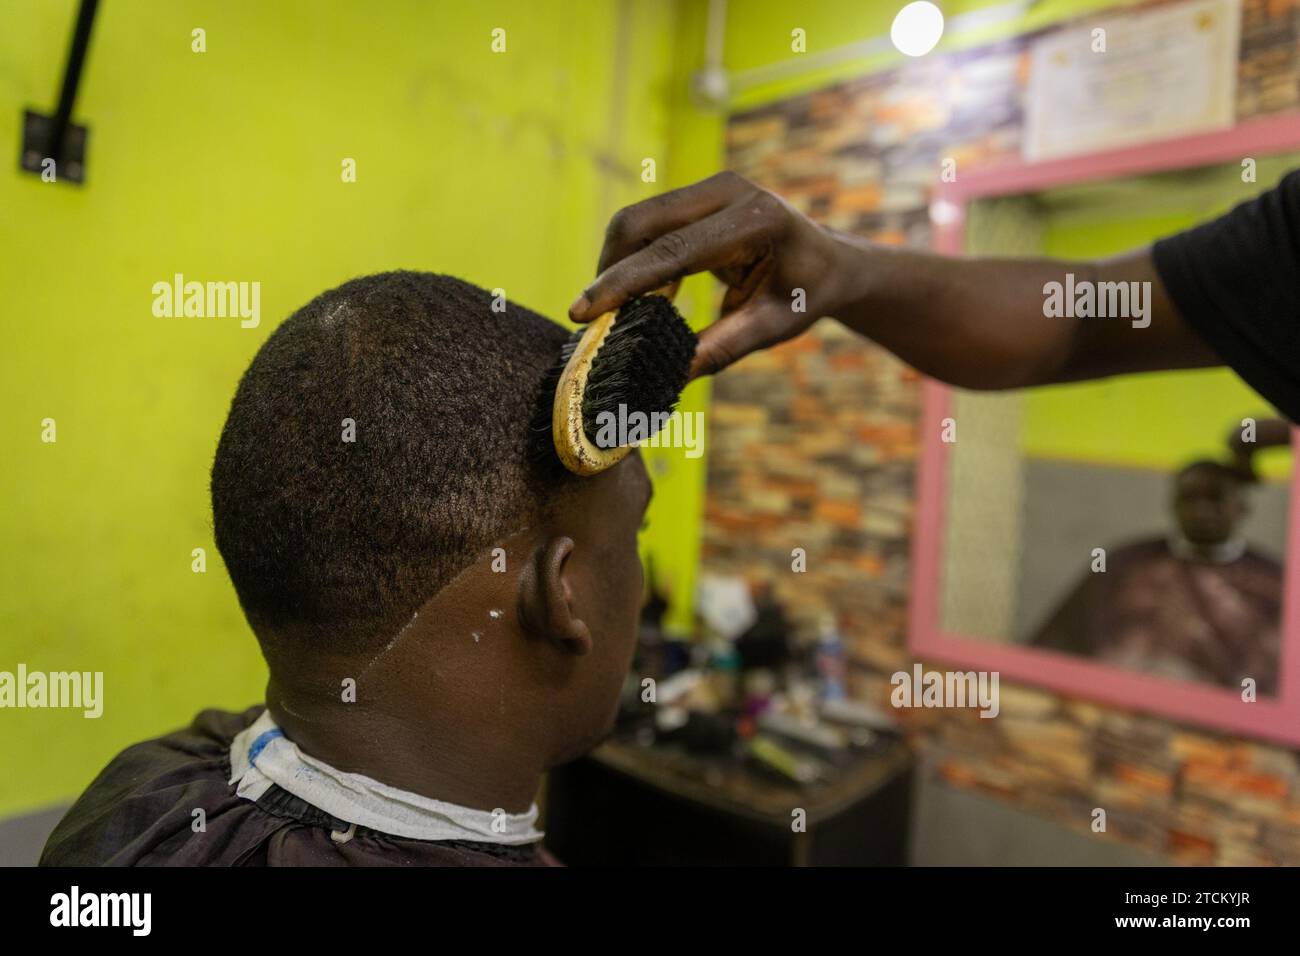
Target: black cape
140,811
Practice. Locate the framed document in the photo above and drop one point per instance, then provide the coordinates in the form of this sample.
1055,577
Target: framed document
1134,77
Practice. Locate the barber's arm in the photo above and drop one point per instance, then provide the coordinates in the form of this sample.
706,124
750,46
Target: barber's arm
1244,445
976,323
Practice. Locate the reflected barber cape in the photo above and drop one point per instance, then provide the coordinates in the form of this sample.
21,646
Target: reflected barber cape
1157,612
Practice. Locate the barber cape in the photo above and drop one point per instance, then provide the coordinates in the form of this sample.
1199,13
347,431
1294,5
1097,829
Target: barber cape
232,790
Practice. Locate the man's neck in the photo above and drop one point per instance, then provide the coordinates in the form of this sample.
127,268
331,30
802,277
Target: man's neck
447,759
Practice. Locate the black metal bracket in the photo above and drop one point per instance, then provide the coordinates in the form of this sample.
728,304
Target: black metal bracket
57,137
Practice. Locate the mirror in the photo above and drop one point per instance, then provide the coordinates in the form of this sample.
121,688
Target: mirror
1138,525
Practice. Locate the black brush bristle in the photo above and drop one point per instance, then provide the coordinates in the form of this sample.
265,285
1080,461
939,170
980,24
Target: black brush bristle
643,365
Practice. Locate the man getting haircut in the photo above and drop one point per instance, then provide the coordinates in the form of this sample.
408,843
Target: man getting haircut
444,611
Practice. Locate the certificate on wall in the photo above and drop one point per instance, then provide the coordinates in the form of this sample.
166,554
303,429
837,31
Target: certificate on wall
1153,75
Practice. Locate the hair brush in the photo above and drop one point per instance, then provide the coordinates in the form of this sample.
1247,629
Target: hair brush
638,357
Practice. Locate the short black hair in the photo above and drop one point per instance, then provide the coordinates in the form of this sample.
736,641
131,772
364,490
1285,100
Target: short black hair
335,544
1215,469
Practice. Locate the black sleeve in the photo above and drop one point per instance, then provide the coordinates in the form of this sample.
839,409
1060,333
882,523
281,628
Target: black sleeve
1236,280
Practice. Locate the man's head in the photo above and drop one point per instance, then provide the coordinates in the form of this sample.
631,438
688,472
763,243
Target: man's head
380,446
1209,502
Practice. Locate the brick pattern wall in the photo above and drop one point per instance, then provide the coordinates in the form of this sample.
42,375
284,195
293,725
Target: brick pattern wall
814,445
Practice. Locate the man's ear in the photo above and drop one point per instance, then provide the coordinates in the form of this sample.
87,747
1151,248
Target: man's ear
547,608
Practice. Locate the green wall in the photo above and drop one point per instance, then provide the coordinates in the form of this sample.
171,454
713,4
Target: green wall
501,168
1148,421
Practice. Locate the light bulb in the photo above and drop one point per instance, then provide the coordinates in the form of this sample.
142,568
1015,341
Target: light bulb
917,28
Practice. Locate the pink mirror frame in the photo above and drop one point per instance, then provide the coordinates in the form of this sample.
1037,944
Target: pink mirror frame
1276,719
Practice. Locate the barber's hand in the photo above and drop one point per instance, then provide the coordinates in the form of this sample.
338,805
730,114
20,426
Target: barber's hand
1269,433
752,240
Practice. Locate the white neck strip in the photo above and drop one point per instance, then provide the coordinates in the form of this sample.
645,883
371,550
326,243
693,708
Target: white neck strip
261,755
1225,552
